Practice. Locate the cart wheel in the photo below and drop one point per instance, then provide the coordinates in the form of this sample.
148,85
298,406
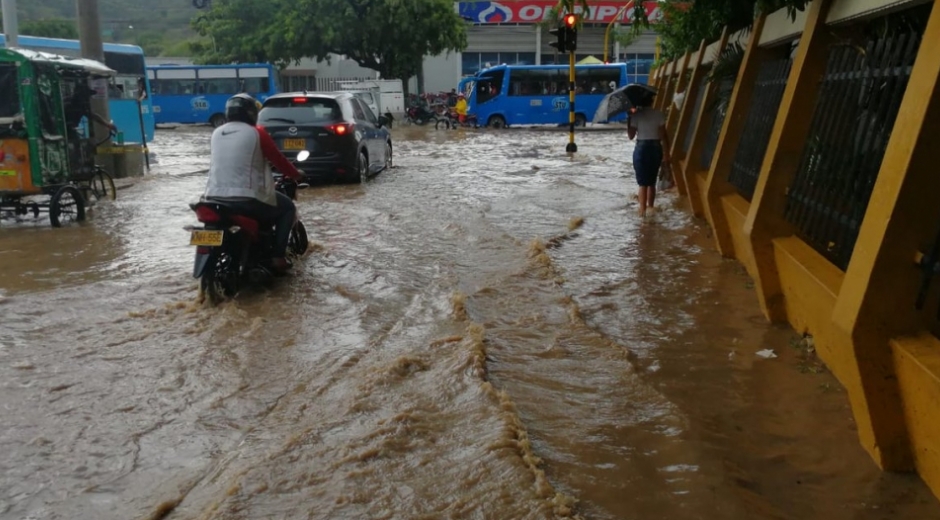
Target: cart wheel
67,206
102,185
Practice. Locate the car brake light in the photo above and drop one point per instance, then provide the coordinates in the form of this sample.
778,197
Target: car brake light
207,214
340,129
300,100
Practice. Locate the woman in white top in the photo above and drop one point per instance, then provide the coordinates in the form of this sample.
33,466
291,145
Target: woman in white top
648,126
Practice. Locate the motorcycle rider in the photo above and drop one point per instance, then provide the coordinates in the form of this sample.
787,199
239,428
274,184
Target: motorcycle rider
241,155
461,107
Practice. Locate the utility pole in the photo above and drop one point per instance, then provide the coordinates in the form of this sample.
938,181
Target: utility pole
10,25
89,35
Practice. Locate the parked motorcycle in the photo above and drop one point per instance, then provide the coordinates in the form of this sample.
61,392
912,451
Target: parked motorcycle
420,115
232,249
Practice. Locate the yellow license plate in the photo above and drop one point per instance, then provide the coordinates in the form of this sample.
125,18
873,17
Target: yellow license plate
206,238
295,144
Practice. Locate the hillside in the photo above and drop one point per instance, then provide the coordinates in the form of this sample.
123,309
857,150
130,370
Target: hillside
155,25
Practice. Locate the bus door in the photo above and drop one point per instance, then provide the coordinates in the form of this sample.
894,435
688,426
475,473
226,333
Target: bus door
489,90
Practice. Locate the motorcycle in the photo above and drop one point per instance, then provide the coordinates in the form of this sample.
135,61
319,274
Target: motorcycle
452,120
232,249
420,115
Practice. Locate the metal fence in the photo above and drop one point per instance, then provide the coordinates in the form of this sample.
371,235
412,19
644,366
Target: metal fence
333,84
761,115
716,111
858,102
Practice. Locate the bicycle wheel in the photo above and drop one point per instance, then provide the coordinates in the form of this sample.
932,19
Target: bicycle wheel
102,185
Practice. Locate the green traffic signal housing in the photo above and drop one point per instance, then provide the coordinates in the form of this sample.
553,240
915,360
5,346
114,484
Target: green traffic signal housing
561,36
566,36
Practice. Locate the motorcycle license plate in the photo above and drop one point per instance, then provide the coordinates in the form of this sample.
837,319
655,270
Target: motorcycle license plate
206,238
295,144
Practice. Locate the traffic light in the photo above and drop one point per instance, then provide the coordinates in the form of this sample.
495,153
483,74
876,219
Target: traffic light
571,27
566,35
561,34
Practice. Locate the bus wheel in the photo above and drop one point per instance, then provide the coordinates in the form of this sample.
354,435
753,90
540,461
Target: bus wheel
217,120
496,122
580,120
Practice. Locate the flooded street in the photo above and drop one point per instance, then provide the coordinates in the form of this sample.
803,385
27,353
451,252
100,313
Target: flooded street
485,331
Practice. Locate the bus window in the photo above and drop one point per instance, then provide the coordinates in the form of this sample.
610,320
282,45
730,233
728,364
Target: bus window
177,82
255,86
218,81
536,82
220,86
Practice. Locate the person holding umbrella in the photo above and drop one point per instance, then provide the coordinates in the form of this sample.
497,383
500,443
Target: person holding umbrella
648,126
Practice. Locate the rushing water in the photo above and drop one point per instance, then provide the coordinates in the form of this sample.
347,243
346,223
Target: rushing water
485,331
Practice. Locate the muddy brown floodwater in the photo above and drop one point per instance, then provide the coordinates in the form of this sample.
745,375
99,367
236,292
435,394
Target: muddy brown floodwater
485,331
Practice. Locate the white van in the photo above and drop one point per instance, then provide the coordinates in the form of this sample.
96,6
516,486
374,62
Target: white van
382,95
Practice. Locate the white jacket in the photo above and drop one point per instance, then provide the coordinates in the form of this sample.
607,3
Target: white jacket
237,167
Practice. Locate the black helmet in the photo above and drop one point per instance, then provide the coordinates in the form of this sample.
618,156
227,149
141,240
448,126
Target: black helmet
242,107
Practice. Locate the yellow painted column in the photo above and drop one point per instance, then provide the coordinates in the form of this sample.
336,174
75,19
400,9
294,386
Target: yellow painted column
683,120
665,85
672,121
691,165
881,284
717,185
765,220
672,115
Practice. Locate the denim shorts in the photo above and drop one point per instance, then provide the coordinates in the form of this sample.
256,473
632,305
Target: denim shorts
647,158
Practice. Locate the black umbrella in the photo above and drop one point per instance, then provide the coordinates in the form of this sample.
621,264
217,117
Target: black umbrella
623,99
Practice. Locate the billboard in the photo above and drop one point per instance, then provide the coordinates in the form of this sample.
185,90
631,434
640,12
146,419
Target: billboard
534,11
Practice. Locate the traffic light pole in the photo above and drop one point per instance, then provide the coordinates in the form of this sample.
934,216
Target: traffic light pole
572,147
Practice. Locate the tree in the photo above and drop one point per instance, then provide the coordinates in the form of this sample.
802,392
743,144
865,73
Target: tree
388,36
685,24
53,28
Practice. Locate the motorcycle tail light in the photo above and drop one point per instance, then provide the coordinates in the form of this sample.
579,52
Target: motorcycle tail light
207,215
203,250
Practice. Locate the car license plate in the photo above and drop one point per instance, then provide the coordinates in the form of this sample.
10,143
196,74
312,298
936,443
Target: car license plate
206,238
295,144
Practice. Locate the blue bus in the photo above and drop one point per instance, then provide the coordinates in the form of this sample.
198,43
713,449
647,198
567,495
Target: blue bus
538,94
128,62
196,94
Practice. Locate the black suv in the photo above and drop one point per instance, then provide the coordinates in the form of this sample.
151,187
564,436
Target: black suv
342,138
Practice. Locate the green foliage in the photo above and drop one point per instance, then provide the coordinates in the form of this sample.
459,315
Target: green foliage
157,26
685,24
50,28
389,36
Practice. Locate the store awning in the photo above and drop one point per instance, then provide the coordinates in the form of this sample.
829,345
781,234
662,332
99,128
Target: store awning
590,60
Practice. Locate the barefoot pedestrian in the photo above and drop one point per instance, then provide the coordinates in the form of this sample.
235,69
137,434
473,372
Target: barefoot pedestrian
648,126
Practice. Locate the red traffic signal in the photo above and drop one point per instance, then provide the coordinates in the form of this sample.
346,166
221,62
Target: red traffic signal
570,20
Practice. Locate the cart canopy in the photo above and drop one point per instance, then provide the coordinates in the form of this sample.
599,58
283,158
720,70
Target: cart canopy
92,67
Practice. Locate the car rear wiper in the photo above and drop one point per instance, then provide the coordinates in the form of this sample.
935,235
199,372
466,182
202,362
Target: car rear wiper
281,119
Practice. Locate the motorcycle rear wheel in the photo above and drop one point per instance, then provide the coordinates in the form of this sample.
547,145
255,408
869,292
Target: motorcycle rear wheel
220,280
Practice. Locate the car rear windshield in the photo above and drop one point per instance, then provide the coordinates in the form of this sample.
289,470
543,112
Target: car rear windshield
300,111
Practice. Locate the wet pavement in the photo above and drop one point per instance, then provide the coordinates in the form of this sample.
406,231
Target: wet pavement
485,331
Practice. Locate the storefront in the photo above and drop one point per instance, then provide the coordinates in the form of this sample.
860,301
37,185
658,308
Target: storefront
509,32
